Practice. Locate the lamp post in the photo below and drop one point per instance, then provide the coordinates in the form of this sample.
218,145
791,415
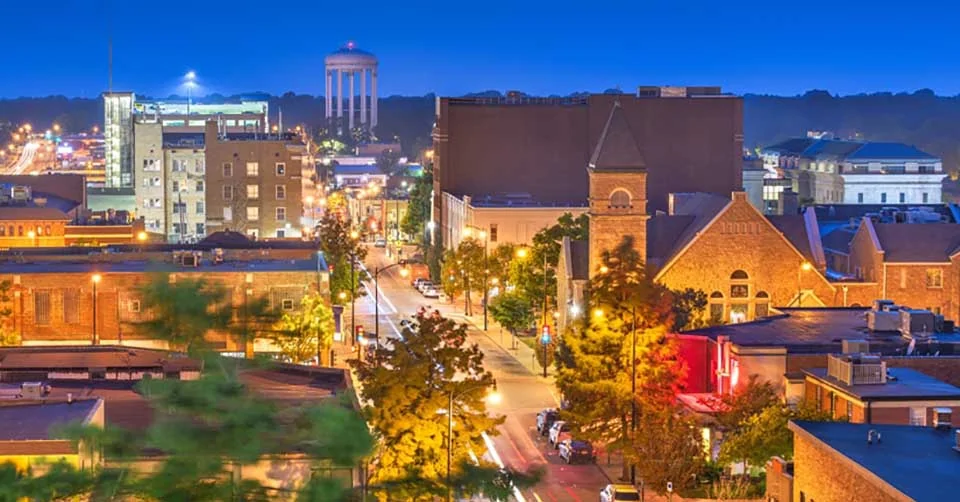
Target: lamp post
492,398
376,302
96,280
354,235
804,267
486,280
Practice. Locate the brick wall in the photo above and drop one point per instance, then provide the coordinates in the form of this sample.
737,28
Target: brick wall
907,285
742,239
608,225
944,368
117,299
823,477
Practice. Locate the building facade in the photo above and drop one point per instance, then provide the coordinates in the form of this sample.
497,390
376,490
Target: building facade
118,139
830,171
254,183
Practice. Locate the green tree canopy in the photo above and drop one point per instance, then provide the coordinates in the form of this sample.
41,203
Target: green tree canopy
339,247
298,333
463,271
512,311
409,387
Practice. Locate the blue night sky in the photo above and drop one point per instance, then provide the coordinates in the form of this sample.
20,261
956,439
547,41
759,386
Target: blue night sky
454,47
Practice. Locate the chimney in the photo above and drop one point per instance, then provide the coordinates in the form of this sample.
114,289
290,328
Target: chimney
789,202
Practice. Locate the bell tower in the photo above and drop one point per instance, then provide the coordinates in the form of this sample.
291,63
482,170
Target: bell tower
618,189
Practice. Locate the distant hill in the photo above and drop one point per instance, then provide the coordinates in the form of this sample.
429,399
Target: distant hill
922,118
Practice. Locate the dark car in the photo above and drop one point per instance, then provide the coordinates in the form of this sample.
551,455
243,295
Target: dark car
574,450
545,419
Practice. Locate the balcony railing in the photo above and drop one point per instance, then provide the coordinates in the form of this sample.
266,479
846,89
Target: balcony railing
857,370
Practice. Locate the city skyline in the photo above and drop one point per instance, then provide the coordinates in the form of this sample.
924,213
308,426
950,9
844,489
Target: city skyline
426,48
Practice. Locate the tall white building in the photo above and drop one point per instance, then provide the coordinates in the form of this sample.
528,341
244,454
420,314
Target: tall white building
356,66
829,171
118,138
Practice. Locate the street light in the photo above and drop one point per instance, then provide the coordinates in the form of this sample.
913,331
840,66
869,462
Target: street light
486,281
493,398
354,235
95,278
404,272
33,237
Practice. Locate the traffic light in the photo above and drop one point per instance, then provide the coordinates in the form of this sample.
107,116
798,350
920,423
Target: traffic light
360,332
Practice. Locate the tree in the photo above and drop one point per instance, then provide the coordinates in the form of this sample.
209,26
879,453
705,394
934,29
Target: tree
535,274
389,163
406,385
512,311
339,248
669,449
418,207
8,333
463,271
595,357
765,434
299,333
745,401
183,312
688,307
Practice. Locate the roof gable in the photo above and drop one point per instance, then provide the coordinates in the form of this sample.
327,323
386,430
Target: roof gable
917,243
617,148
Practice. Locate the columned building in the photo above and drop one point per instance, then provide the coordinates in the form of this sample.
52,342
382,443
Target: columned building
354,64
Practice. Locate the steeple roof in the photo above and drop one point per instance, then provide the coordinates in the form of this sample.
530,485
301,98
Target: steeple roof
617,148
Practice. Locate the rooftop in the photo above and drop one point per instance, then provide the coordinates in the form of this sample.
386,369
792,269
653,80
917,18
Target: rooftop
33,421
25,213
919,462
85,357
617,148
905,243
142,265
821,331
859,151
903,384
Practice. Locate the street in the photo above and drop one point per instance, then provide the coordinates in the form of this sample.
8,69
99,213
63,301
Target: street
524,394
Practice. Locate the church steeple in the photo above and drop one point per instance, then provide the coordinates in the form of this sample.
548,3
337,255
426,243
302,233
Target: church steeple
618,188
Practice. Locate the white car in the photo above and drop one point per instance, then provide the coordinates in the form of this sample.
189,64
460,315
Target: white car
431,292
424,285
558,432
613,493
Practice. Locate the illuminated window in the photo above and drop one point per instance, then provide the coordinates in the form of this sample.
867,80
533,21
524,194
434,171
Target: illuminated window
253,213
934,278
253,169
253,191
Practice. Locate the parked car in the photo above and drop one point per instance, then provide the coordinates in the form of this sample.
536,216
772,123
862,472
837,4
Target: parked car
574,450
614,493
380,243
431,292
545,419
424,285
416,282
558,432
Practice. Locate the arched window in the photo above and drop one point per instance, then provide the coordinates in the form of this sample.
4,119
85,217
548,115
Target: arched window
763,304
3,230
19,230
620,198
716,307
10,231
739,275
46,230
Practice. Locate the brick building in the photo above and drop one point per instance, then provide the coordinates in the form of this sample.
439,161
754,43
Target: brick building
861,389
836,462
691,140
254,183
912,264
53,300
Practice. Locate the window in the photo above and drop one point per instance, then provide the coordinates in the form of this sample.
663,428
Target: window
934,278
739,291
228,193
493,232
176,186
620,199
281,214
281,192
281,169
918,416
281,233
19,230
71,306
903,278
200,185
253,191
253,169
860,198
179,208
41,307
227,170
134,306
883,198
228,214
716,313
739,275
903,198
201,229
849,411
200,208
926,197
178,228
179,166
286,304
199,165
763,304
833,404
253,213
3,231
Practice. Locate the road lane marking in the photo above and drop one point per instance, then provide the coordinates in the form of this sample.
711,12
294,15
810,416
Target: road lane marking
574,495
496,459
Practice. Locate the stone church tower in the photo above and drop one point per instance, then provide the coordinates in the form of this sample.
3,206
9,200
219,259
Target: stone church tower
618,189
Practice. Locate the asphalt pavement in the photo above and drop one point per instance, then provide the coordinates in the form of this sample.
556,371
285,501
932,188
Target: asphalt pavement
517,445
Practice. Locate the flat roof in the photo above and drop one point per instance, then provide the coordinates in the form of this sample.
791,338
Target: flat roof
85,357
822,330
33,421
920,462
140,266
903,384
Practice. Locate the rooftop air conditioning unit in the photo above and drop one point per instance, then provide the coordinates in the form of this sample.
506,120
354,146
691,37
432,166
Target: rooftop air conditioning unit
855,346
884,305
883,320
917,323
